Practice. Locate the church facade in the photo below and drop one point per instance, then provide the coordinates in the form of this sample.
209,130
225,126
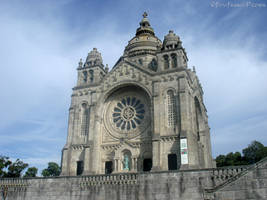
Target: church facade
146,114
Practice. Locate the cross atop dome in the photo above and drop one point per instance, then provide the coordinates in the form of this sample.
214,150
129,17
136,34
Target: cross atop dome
145,14
145,26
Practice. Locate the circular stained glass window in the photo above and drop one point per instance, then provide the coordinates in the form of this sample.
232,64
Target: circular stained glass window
128,113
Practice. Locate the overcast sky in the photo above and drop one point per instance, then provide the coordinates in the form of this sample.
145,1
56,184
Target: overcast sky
42,41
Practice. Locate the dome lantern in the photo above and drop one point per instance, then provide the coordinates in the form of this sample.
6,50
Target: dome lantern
145,41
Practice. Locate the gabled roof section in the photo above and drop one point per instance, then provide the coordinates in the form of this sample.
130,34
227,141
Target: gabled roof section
132,64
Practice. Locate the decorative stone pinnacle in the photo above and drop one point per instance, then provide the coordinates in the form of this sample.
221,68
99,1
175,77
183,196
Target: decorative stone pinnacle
80,63
145,14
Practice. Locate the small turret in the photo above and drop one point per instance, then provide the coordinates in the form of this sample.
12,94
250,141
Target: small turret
80,63
172,55
171,41
106,68
92,71
94,58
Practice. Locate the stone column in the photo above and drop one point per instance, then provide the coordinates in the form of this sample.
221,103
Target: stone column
115,165
70,125
156,154
186,101
170,62
64,162
132,164
156,127
86,169
119,165
135,164
96,151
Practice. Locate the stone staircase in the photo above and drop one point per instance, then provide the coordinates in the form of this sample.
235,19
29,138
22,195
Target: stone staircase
227,175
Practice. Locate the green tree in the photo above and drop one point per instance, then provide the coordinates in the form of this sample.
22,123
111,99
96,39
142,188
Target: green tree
230,159
220,160
31,172
53,169
15,169
4,163
254,152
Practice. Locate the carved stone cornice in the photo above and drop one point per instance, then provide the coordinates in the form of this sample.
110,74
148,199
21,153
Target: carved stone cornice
169,138
79,146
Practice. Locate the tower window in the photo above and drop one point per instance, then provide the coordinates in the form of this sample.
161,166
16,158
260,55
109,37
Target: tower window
174,60
85,76
166,61
79,168
153,65
85,119
171,112
198,117
91,75
140,61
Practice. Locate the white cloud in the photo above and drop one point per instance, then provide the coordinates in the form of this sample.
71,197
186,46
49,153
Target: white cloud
38,70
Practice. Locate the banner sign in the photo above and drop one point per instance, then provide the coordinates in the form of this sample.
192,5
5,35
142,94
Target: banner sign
184,151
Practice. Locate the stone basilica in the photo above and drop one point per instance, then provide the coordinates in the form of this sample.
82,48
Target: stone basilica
146,114
140,132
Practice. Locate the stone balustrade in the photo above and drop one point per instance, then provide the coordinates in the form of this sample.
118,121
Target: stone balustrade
222,174
113,179
14,184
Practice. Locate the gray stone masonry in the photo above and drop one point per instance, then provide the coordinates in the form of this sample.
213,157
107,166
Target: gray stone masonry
231,183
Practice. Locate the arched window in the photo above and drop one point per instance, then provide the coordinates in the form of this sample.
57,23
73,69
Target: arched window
101,75
153,65
84,120
174,60
171,112
91,75
84,76
166,61
140,61
198,117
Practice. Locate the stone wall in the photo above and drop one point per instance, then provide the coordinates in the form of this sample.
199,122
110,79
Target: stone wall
164,185
247,182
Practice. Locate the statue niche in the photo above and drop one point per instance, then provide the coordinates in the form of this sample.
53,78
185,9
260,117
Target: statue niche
126,160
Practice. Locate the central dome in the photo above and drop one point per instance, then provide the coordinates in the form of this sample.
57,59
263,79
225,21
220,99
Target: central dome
145,41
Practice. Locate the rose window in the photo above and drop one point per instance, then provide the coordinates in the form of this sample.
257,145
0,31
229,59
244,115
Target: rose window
128,113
